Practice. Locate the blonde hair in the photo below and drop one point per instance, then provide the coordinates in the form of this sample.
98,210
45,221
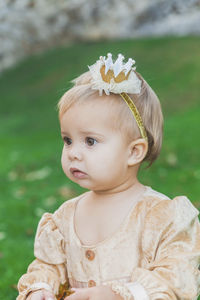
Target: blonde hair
146,102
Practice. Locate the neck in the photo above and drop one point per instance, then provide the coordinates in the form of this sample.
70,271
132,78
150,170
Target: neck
129,188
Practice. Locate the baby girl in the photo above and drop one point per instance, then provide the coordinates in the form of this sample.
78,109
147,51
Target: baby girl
120,239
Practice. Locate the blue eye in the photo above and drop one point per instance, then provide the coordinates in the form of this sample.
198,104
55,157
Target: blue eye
67,140
90,141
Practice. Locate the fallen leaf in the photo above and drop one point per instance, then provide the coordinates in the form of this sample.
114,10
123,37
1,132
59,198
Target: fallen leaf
14,286
39,211
29,231
50,201
12,176
66,192
38,174
197,174
2,235
19,192
172,159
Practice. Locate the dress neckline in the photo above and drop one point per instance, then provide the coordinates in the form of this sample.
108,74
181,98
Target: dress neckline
110,237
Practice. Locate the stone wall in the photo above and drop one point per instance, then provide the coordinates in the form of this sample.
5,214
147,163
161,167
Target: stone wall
29,26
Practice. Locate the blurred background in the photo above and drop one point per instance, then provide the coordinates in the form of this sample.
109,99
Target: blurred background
46,43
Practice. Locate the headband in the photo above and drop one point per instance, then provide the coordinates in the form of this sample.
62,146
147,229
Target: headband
120,79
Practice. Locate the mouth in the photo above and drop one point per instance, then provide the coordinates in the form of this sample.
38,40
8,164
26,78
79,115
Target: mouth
77,173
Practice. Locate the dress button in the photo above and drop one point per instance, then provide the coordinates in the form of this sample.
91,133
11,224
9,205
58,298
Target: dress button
90,254
91,283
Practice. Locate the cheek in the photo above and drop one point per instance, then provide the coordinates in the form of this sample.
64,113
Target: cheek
101,155
63,159
104,158
113,159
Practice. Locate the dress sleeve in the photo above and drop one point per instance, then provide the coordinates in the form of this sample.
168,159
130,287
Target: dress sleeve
48,270
171,253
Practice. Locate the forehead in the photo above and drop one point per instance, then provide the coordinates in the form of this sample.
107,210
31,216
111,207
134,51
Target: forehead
94,114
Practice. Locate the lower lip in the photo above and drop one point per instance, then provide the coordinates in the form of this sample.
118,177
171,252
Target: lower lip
78,174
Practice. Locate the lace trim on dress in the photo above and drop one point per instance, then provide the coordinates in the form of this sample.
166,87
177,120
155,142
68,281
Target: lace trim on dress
82,284
137,290
41,285
120,289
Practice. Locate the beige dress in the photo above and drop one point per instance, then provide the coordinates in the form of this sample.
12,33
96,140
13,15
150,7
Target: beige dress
154,254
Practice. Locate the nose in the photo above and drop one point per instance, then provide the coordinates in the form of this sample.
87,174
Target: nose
74,153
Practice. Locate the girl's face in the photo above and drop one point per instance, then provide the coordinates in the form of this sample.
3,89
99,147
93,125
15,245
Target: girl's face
94,153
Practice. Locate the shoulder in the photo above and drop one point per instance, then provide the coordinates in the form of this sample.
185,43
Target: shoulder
169,224
161,208
59,219
67,207
62,215
149,199
153,193
51,234
178,211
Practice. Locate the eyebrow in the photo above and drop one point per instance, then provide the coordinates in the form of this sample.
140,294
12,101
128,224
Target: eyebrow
86,132
91,132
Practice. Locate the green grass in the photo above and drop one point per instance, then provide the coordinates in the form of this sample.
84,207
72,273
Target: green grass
30,139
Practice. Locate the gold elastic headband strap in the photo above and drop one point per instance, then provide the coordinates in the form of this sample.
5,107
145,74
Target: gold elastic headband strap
136,114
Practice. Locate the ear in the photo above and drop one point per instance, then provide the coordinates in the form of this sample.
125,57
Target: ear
137,151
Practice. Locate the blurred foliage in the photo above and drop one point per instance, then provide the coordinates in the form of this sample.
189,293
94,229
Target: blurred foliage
31,179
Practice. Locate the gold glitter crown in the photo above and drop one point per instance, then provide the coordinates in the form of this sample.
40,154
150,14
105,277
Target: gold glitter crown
114,77
117,70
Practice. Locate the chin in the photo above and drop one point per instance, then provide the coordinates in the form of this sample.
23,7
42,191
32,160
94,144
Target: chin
88,185
82,183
